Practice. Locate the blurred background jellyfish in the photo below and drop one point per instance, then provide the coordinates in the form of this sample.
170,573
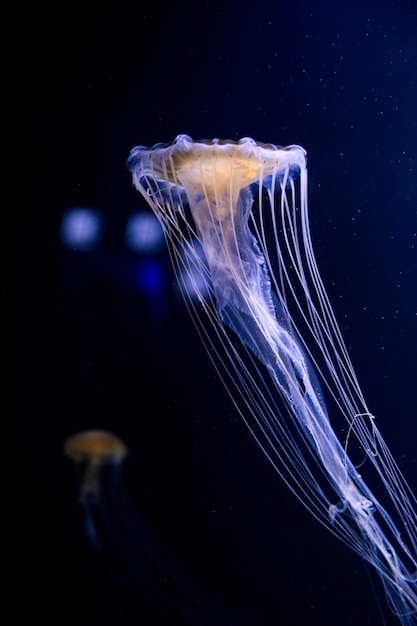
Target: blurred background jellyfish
290,376
155,585
98,455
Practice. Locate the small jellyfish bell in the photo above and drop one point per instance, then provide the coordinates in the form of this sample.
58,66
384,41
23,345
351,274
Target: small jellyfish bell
94,450
245,205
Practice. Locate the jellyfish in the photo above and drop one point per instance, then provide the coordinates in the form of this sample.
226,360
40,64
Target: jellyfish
98,454
259,304
152,581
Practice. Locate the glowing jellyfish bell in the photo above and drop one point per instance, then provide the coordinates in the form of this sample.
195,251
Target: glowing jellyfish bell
245,204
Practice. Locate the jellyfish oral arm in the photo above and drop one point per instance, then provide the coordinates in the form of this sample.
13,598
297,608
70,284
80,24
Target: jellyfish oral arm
245,303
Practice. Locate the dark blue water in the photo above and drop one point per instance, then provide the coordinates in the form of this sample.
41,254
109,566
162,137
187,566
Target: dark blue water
106,342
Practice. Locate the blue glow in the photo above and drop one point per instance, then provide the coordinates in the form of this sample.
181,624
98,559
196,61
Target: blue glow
191,276
81,228
149,276
144,233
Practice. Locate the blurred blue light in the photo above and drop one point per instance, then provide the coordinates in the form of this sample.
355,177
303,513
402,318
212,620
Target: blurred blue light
193,279
144,233
195,284
150,276
81,228
152,280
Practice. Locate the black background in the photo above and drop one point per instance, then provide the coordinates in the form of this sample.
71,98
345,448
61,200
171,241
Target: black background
88,351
